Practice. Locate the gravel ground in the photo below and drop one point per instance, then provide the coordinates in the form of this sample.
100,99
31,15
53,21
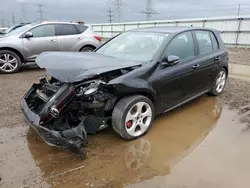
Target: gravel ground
239,55
236,95
13,87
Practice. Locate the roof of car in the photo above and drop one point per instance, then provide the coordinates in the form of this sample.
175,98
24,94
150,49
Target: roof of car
170,29
59,22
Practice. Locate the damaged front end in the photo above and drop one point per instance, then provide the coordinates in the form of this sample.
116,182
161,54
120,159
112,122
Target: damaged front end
64,113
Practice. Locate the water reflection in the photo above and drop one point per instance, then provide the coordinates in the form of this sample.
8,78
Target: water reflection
112,161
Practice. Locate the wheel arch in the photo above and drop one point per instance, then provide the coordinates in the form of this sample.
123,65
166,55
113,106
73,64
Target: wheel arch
88,45
147,94
226,68
15,51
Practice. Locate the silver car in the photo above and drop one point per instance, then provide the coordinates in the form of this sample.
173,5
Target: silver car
26,43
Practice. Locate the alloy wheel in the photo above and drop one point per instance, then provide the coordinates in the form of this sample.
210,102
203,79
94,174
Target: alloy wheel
221,81
8,62
138,119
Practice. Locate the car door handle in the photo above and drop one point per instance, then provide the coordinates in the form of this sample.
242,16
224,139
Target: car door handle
196,66
217,58
52,41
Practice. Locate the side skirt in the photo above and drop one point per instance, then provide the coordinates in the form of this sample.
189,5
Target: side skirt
183,102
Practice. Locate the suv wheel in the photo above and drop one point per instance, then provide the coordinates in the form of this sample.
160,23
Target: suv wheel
9,62
87,49
133,116
219,83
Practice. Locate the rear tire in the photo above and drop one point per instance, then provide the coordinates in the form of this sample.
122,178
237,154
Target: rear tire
10,62
87,49
133,116
219,83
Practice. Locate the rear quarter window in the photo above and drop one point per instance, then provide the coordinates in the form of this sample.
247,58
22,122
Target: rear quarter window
81,28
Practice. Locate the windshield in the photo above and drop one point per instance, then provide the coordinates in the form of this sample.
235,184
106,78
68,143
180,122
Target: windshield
135,46
21,29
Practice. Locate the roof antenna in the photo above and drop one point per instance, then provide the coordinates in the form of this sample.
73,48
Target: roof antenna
191,25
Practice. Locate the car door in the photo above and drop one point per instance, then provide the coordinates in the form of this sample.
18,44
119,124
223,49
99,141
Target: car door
207,60
43,39
67,36
178,83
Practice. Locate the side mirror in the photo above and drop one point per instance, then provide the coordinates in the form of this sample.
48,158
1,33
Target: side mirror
28,35
170,60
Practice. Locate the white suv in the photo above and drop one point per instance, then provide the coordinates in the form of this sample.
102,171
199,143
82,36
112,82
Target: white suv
25,43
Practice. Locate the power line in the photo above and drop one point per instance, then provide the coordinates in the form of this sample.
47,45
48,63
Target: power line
238,12
23,11
211,9
2,19
210,6
110,15
118,4
40,11
149,10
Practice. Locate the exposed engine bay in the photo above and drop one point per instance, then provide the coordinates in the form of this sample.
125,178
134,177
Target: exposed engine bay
69,111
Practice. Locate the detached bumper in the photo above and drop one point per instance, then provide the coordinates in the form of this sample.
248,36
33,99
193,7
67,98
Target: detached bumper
62,139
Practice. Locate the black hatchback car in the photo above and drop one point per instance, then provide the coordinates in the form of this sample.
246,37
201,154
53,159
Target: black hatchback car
125,83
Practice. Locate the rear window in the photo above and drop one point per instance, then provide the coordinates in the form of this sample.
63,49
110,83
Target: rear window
65,29
81,28
204,41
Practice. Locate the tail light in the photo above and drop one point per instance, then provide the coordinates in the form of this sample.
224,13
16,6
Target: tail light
98,38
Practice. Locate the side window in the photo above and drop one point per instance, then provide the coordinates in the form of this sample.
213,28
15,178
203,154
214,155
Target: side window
81,28
214,41
65,29
182,46
43,31
204,41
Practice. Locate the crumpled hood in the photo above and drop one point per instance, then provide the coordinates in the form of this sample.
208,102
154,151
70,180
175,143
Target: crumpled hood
76,66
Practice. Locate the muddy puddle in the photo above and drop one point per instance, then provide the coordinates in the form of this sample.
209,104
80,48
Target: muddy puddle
201,144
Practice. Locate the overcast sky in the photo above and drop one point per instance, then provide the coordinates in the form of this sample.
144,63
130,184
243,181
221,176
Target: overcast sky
95,11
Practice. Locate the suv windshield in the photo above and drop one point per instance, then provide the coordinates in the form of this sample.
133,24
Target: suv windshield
135,46
21,29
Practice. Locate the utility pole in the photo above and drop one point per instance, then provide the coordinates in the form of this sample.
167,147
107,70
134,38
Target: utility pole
110,15
149,10
40,11
23,11
238,12
13,19
118,4
2,19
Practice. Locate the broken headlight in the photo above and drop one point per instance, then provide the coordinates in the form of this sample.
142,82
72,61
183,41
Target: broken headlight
91,91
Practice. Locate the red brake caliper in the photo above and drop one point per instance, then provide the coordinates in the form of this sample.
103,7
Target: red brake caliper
129,124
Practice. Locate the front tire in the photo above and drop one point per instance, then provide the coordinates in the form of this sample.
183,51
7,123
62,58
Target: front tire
10,62
219,83
133,116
